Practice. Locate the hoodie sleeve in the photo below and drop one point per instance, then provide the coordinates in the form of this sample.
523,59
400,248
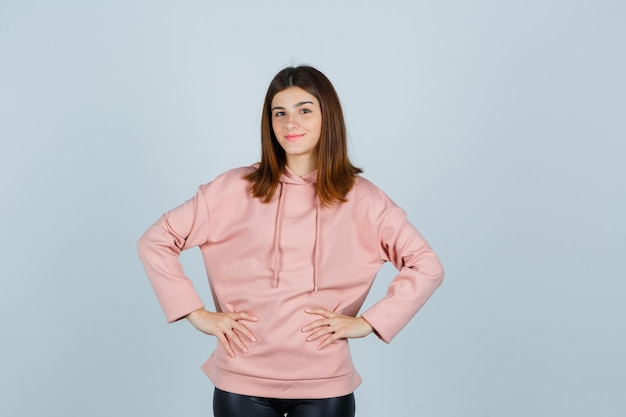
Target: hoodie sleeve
159,248
420,274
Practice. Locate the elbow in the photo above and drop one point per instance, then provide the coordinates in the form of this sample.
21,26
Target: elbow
439,272
440,275
143,245
436,271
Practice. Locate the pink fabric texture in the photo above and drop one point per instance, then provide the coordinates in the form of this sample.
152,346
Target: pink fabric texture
277,259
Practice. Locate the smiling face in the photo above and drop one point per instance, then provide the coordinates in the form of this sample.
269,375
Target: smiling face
297,125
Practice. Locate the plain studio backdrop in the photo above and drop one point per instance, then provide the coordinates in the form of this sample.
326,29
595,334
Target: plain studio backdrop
498,126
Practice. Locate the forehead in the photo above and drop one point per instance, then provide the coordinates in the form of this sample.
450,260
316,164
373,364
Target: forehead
292,96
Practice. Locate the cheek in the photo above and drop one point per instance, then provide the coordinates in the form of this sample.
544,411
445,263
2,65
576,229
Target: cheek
277,126
318,124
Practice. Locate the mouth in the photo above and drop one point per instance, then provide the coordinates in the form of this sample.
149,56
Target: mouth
293,137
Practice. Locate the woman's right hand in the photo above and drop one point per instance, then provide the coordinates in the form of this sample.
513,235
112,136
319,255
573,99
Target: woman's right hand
225,326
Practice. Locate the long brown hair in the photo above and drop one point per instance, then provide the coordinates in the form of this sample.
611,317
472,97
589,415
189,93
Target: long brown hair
335,172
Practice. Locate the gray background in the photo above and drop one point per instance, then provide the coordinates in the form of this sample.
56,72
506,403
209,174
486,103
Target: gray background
497,125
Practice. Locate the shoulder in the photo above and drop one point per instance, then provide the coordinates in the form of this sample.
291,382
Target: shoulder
368,204
235,174
365,191
229,184
230,178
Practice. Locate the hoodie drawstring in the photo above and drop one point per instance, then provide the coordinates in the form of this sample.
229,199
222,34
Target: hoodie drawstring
290,178
316,251
277,230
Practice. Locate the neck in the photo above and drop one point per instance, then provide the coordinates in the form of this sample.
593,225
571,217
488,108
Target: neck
302,166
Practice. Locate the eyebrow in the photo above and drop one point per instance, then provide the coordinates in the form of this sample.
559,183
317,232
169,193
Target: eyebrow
302,103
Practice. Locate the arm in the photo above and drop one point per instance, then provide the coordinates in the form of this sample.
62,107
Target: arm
420,274
159,249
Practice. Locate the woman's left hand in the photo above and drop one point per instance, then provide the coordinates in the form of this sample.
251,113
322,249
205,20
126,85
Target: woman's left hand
335,326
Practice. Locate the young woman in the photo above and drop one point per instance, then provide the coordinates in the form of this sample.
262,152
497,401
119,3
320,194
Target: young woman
291,247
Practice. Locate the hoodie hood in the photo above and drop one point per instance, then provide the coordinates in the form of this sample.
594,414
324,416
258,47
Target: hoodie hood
290,177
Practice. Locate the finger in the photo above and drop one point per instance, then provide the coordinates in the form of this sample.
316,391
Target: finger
316,335
330,339
245,331
316,324
242,315
322,331
321,312
234,337
242,328
224,342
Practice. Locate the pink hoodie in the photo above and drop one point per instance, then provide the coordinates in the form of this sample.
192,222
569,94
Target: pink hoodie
277,259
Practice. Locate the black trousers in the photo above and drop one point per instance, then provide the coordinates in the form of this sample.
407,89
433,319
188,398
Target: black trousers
227,404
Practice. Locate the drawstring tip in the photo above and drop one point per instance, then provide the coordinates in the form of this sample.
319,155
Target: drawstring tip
315,289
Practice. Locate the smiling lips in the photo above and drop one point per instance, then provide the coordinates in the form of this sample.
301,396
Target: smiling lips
293,137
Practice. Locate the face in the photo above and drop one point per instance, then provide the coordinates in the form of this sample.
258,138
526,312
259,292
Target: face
297,124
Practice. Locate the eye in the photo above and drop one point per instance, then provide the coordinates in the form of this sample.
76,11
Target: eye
279,114
305,111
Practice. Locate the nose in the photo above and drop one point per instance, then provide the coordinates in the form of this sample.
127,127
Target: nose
291,122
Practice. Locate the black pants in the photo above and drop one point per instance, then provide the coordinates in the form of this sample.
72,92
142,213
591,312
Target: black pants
226,404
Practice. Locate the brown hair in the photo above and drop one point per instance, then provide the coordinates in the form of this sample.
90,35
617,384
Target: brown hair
335,172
